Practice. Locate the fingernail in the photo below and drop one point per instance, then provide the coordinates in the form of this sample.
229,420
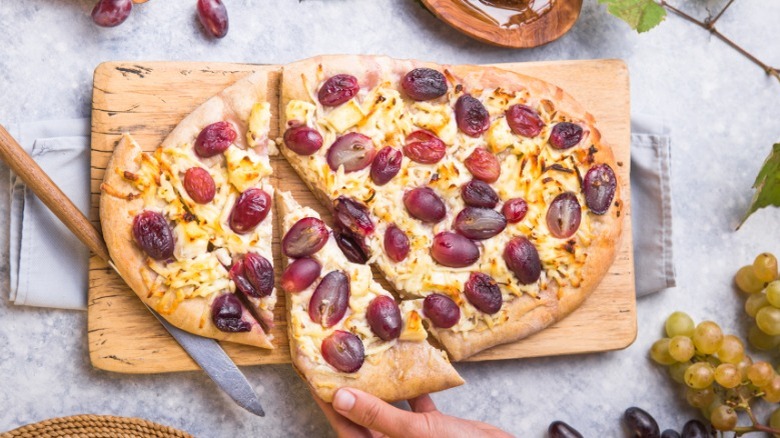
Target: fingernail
344,400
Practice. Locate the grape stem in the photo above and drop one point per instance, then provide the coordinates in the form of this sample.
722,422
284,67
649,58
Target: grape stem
756,427
709,25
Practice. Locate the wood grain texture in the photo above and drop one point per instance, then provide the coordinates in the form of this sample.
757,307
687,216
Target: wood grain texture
148,99
549,27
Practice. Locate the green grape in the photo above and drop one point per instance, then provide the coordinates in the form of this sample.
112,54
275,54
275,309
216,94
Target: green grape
774,419
681,348
677,371
699,398
756,302
747,281
768,320
708,337
760,340
699,375
760,373
743,367
731,350
724,418
765,267
707,410
659,352
773,293
679,324
727,375
772,390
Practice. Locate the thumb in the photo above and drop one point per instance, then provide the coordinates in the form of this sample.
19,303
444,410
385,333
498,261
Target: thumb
375,414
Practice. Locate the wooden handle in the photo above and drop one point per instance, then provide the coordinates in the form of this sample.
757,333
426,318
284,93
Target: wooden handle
51,195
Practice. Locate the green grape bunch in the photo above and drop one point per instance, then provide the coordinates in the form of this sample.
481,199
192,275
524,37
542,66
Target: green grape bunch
760,282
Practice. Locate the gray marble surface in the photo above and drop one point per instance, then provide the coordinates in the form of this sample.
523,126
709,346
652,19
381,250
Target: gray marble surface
722,109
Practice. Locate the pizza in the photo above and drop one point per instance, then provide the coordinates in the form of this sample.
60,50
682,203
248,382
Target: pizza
344,328
487,198
189,226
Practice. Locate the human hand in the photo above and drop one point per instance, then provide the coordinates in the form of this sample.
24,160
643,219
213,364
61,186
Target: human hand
355,413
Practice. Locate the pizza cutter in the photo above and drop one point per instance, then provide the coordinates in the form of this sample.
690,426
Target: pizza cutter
206,352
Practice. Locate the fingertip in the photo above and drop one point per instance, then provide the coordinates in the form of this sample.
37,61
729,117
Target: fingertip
344,400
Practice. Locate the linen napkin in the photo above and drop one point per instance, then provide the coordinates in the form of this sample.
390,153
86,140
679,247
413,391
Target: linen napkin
49,265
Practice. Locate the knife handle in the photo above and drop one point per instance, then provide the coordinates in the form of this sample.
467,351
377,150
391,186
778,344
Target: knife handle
51,195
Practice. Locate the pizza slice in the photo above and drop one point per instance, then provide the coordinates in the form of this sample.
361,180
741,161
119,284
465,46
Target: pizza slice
189,225
344,328
487,195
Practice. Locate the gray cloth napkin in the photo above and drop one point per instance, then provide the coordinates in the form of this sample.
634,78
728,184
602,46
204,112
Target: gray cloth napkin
49,265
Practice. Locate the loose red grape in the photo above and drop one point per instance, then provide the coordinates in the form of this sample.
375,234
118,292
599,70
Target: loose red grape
479,223
251,208
472,117
483,293
565,135
515,209
384,318
563,215
352,216
396,243
483,165
338,89
559,429
599,187
478,193
213,16
522,258
386,165
354,151
424,204
226,311
302,140
153,234
305,237
110,13
199,185
424,147
453,250
441,310
330,299
343,351
424,84
640,423
214,139
300,274
350,247
523,120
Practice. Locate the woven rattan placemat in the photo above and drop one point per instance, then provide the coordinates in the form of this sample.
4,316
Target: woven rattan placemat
95,426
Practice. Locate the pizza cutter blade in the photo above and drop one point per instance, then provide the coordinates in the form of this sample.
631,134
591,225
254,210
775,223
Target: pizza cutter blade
205,352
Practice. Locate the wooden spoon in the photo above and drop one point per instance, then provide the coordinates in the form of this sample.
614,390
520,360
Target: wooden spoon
474,19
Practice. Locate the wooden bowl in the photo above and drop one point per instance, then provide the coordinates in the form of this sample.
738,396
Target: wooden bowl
463,16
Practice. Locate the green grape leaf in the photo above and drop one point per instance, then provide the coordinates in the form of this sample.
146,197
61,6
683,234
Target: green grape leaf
767,184
641,15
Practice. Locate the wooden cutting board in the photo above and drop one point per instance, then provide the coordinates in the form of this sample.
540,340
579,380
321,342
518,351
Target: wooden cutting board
148,99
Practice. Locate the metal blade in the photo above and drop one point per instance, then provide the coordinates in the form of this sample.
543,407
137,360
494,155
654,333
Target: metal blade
217,364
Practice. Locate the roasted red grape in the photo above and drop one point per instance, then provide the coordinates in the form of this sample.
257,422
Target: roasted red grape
214,139
454,250
226,311
563,215
338,89
238,275
396,243
352,216
424,147
305,237
199,185
483,165
153,234
302,140
260,273
330,299
354,151
523,120
386,165
472,117
479,223
350,247
110,13
522,259
483,293
424,84
441,310
478,193
515,210
565,135
300,274
213,16
343,351
559,429
384,318
424,204
251,208
599,187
